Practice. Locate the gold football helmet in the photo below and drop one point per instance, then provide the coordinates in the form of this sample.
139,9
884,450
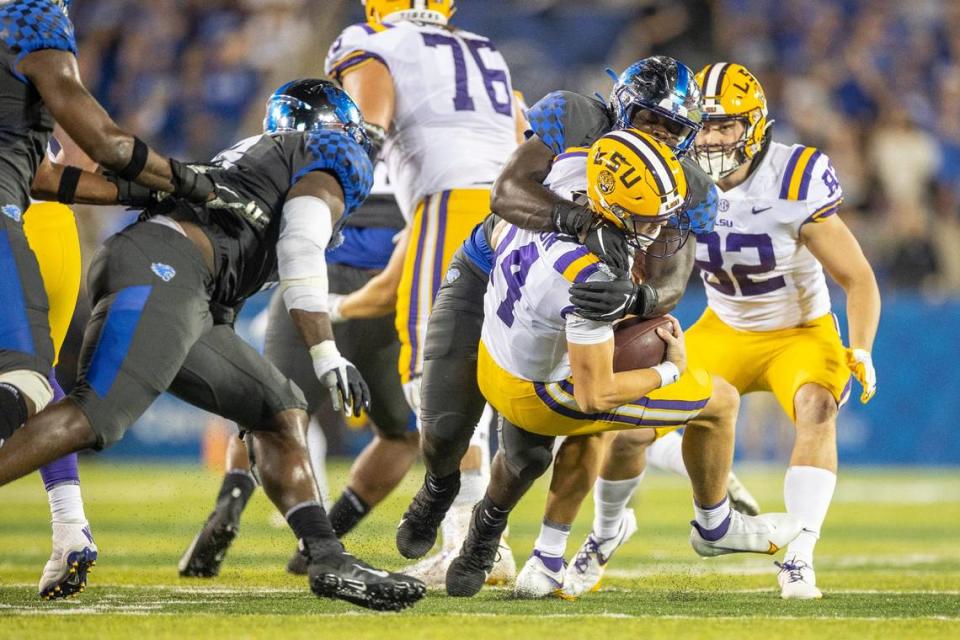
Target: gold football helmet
730,91
636,183
434,11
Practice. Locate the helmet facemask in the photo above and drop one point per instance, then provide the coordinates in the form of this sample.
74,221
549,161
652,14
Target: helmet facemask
655,244
720,160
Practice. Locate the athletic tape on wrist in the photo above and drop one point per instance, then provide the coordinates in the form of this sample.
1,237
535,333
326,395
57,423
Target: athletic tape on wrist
668,372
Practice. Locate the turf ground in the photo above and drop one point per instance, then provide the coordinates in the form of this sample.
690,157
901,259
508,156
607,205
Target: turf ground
889,565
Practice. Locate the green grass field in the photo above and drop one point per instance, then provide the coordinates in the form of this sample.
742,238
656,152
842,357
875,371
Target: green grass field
889,565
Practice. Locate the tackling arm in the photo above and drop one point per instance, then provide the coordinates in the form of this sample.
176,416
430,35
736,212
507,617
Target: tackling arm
666,277
519,196
56,77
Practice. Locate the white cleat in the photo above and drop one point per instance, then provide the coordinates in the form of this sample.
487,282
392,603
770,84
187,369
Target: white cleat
537,580
584,573
766,533
74,552
797,580
505,568
741,499
432,570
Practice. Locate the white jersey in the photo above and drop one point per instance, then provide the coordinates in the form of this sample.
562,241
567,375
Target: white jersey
528,317
453,125
759,275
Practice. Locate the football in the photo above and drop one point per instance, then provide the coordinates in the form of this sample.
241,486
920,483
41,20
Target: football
637,345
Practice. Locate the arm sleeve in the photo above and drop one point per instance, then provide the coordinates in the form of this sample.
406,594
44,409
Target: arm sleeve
564,119
305,230
583,331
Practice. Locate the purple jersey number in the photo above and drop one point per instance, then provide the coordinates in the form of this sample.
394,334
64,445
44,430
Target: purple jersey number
514,268
461,99
737,242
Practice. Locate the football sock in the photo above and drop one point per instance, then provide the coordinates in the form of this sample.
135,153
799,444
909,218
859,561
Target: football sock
666,452
491,520
309,521
610,499
61,478
712,522
66,503
237,485
807,492
440,487
552,540
347,512
317,450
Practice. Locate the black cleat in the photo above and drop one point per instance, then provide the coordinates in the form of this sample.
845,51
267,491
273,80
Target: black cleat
334,573
417,531
297,564
469,570
203,557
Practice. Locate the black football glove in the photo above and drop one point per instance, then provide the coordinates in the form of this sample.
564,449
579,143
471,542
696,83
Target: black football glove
610,245
571,218
607,301
133,195
191,182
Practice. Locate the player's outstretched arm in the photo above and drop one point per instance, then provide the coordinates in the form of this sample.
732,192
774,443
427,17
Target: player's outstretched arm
313,206
79,186
56,77
832,243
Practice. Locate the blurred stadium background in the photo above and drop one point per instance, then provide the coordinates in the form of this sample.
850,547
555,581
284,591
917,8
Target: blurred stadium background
875,83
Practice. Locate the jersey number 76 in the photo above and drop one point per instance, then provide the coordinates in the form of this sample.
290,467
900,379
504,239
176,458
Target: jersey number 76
462,101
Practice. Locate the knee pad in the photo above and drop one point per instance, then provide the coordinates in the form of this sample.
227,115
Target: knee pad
31,385
529,463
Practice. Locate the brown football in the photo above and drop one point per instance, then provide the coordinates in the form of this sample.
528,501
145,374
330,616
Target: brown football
636,344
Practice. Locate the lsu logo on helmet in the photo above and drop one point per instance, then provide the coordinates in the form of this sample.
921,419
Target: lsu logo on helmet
730,91
636,183
434,11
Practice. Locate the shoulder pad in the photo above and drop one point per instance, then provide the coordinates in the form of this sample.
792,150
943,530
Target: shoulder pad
340,155
354,47
563,118
704,198
31,25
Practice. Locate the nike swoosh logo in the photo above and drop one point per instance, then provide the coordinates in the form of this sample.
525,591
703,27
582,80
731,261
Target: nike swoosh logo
756,210
375,572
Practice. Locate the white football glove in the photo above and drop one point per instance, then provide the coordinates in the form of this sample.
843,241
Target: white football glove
861,365
348,391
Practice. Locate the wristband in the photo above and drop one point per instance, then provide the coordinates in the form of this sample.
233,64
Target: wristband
324,349
69,179
669,373
138,160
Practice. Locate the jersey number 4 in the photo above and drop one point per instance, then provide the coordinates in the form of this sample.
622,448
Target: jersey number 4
742,273
491,77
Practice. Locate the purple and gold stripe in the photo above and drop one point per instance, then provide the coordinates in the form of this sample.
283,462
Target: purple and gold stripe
352,61
413,315
577,265
374,27
796,177
572,152
441,234
824,212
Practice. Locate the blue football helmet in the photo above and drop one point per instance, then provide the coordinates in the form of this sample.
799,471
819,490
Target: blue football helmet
664,86
314,105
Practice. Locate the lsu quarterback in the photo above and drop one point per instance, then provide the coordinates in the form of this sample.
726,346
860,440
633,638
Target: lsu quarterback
768,324
549,372
439,103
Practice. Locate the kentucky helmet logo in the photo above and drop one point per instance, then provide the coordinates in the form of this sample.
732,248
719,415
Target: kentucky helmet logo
12,211
164,271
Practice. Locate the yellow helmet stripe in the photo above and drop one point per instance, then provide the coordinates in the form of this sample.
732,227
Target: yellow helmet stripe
713,79
666,183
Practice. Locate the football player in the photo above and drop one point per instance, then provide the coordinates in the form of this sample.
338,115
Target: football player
40,83
366,248
549,372
440,103
657,95
152,286
768,324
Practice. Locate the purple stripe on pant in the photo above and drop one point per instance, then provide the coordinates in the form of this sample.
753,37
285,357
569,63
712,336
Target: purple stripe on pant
64,470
